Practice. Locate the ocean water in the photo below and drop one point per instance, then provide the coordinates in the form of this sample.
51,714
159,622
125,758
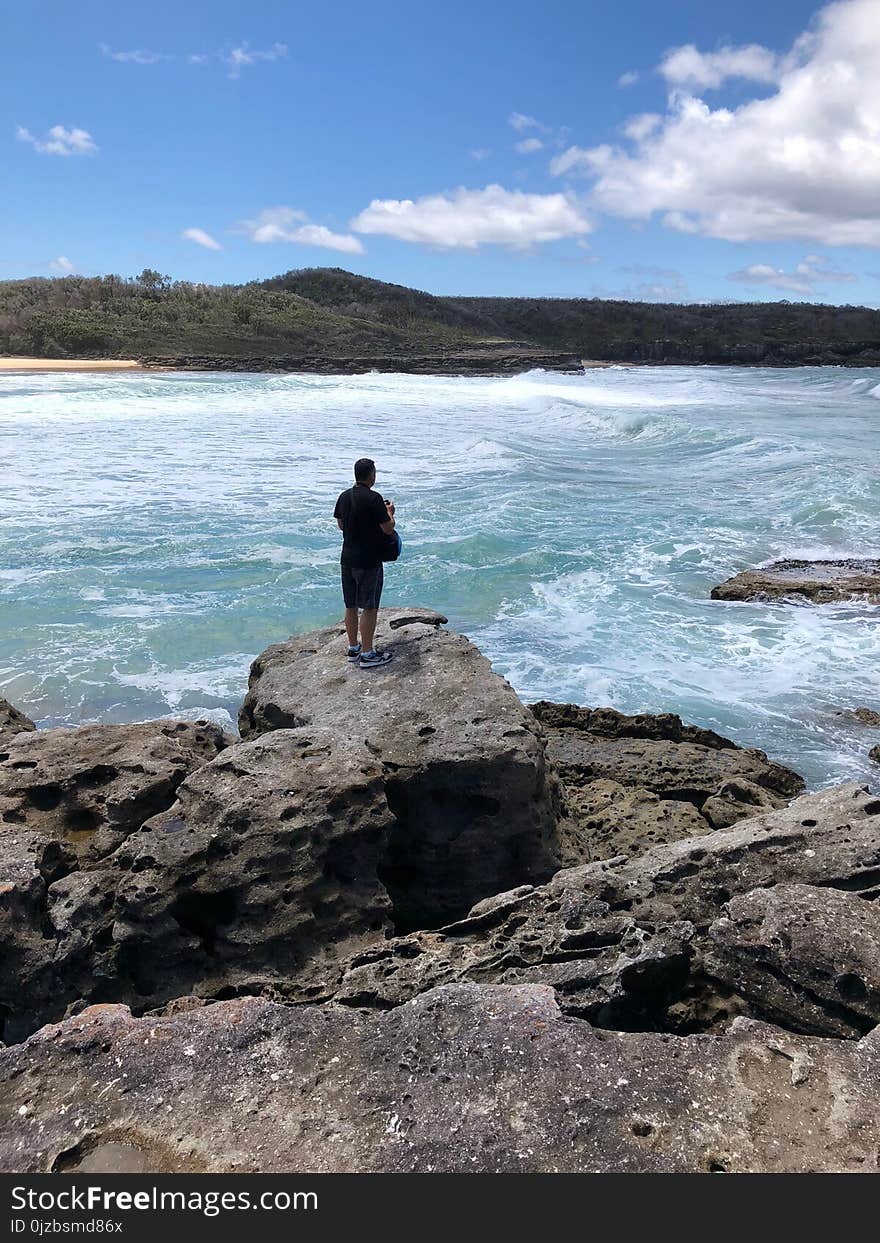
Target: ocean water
157,531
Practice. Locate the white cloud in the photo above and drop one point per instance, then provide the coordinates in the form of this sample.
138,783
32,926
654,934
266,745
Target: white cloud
140,56
62,265
243,55
630,78
639,127
689,68
59,141
284,224
519,121
480,153
801,164
528,145
812,271
470,218
201,238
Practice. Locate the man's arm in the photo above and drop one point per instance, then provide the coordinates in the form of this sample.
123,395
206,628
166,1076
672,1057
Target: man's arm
388,527
339,524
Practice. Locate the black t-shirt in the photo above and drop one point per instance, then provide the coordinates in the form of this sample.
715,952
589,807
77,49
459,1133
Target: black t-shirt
362,512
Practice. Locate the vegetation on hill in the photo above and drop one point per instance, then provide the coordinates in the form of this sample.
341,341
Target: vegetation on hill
334,313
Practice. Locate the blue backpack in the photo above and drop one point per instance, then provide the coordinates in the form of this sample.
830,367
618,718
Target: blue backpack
393,547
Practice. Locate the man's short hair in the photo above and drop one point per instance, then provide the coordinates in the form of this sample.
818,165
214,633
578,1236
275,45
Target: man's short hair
364,467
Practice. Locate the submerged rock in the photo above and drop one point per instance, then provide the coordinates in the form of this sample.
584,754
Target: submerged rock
632,782
12,722
821,582
468,1078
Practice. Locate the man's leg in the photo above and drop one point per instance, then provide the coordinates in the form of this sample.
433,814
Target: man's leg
351,626
368,628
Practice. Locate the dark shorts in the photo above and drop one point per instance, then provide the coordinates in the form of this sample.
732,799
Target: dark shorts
362,585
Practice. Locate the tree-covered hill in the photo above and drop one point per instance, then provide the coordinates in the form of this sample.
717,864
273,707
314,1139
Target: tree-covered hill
330,312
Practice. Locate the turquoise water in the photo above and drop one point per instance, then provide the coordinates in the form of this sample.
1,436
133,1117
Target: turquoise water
157,531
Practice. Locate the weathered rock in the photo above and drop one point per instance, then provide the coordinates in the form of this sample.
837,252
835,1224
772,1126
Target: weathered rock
632,782
269,860
622,941
874,754
865,716
68,799
287,852
87,789
607,818
475,809
806,958
821,582
12,722
469,1079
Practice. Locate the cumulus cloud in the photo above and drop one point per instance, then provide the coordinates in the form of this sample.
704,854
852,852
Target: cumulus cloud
480,153
284,224
140,56
59,141
630,78
240,57
528,145
806,276
201,238
689,68
62,265
467,219
801,164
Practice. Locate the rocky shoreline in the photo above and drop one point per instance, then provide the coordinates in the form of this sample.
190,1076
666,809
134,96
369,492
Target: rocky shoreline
407,923
456,363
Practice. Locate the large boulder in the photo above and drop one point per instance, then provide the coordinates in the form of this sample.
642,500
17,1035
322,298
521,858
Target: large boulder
625,942
468,1078
12,722
475,808
633,782
68,799
820,582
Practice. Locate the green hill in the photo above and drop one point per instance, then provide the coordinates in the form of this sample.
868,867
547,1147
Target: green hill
333,313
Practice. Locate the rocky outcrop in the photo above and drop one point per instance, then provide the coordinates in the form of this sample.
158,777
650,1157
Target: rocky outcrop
475,808
381,850
360,803
819,582
632,782
864,716
12,722
476,1079
626,943
68,799
874,754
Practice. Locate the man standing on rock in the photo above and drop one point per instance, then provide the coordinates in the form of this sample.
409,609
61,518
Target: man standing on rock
364,520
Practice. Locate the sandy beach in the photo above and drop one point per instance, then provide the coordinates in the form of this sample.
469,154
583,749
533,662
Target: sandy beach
69,364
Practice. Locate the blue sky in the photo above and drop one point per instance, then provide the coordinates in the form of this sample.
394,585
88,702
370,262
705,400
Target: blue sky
663,150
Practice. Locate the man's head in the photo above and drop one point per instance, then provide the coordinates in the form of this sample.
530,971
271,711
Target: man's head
365,471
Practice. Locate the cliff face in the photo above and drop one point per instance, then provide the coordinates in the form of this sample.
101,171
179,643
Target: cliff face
383,848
